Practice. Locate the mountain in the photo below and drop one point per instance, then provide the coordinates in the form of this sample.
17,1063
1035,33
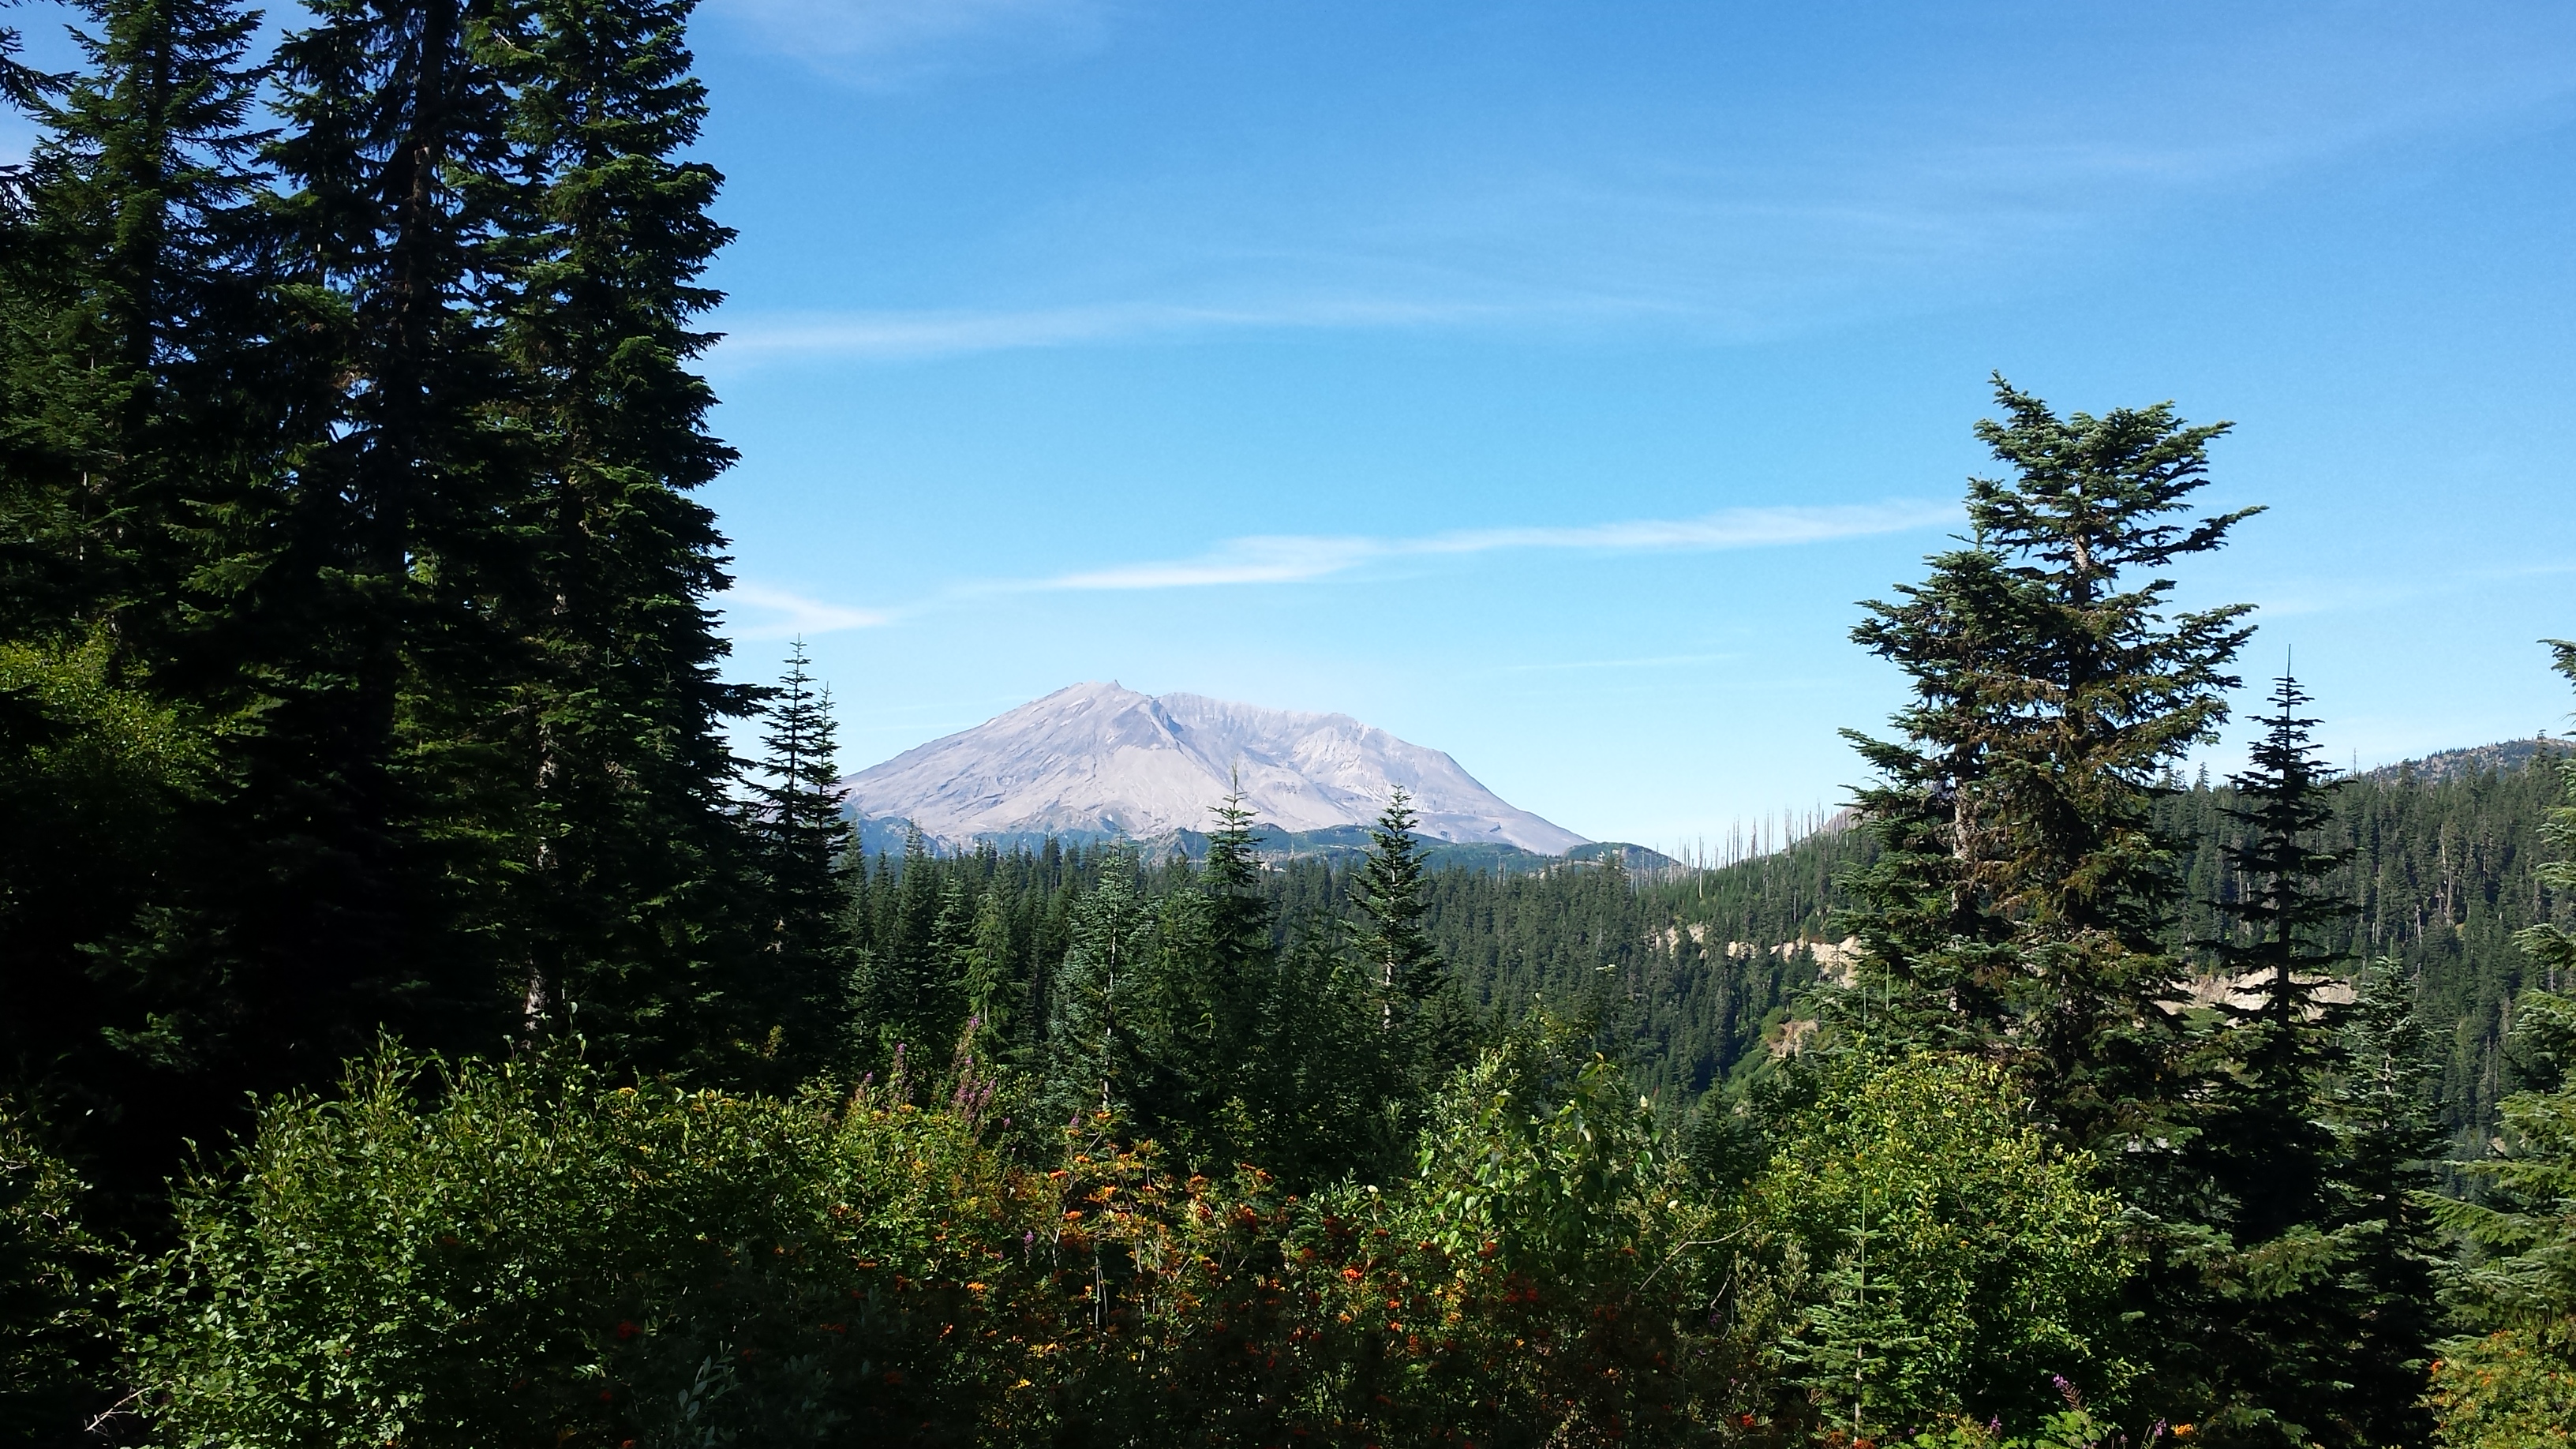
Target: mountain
2475,760
1099,759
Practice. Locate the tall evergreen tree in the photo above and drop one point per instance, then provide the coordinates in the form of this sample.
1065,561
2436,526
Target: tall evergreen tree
1426,1026
2548,943
635,872
804,843
2022,894
1092,1057
1932,911
2266,1141
126,310
1239,911
996,987
2381,1107
147,410
1215,994
1388,892
2519,1280
383,618
914,995
2282,1317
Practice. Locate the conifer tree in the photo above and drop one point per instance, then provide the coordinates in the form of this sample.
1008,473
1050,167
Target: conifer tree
2388,1142
2548,943
2518,1282
915,989
1216,1000
2019,906
1388,891
1931,915
636,871
1426,1027
383,620
2282,1322
1092,1057
952,957
147,418
2265,1139
127,309
1231,879
803,843
995,985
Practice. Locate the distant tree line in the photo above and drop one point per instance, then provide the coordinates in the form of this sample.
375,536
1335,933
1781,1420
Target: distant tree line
2445,874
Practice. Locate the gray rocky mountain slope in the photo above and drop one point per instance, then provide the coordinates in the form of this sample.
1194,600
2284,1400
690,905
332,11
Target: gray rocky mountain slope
1099,759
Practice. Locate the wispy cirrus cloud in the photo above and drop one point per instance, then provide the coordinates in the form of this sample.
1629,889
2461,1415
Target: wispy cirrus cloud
1645,218
892,44
1297,558
1305,558
1656,661
778,614
899,335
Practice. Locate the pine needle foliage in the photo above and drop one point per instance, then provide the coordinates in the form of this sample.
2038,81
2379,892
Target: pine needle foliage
803,844
2516,1384
2017,903
1388,892
2266,1140
602,234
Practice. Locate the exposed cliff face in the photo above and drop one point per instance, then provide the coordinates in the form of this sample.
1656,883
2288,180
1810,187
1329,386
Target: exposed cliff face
1097,758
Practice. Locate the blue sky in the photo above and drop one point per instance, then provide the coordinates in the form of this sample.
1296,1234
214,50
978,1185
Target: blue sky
1546,382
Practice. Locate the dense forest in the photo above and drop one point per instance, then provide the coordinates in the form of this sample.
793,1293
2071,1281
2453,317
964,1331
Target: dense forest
2443,865
422,1029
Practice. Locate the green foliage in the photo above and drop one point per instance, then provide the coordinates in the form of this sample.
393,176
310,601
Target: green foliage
359,675
1388,893
2311,1253
2517,1385
1548,1275
2525,1231
2512,1389
2388,1142
93,772
524,1255
2264,1138
1962,1265
2549,942
487,1256
2020,901
648,916
56,1308
803,845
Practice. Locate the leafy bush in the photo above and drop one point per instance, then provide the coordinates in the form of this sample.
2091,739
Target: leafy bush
2513,1389
1946,1261
53,1328
524,1255
1547,1276
514,1255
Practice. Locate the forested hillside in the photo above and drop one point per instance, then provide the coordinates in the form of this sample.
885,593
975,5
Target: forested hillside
2443,870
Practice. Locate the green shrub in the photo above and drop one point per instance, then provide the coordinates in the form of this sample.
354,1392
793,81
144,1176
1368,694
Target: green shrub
2513,1389
492,1256
1548,1276
524,1255
1946,1262
55,1352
